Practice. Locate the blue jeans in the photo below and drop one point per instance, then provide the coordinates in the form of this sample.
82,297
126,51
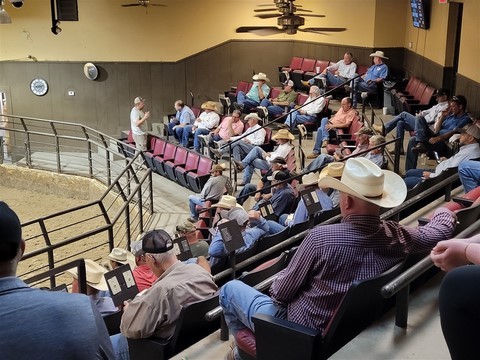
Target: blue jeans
322,134
240,149
244,100
192,202
469,172
196,141
361,86
403,122
422,130
275,227
296,118
273,110
317,163
120,346
240,302
411,158
331,79
254,159
414,176
243,196
186,133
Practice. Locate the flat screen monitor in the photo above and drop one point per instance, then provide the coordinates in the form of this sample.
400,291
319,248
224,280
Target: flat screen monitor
420,13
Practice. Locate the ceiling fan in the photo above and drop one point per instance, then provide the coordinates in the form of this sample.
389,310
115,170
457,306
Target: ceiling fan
144,3
287,21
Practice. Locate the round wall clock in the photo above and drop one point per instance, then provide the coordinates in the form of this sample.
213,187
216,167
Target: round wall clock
39,87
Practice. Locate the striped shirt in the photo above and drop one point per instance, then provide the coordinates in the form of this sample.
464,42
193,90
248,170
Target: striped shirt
332,257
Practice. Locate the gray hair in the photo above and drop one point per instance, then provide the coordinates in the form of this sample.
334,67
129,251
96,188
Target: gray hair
315,89
377,140
238,112
162,257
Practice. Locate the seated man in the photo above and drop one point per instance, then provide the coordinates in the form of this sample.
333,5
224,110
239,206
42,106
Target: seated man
207,120
257,93
363,142
43,324
119,257
332,257
337,73
282,194
341,120
95,283
253,136
335,170
469,173
189,231
230,126
257,158
252,226
155,311
143,275
277,106
426,139
374,75
469,149
406,121
278,164
212,190
309,181
314,105
183,117
376,155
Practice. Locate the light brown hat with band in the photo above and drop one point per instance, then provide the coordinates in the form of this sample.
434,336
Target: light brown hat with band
95,275
283,134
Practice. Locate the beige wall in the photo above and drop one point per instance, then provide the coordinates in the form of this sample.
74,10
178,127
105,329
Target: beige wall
470,41
108,32
389,23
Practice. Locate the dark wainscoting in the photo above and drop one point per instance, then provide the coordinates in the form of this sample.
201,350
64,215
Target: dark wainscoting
471,90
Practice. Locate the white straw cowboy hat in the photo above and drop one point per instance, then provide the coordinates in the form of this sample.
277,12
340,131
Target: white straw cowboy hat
363,179
333,169
210,105
283,134
309,179
379,54
122,256
227,202
260,76
95,275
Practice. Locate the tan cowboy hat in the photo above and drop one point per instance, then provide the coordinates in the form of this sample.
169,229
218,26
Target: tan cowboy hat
253,116
260,76
122,256
363,179
333,169
309,179
379,54
217,167
227,202
283,134
210,105
95,275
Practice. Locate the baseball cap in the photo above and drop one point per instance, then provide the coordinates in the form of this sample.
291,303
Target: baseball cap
136,248
138,100
472,130
288,83
441,92
186,227
278,175
156,242
11,231
460,100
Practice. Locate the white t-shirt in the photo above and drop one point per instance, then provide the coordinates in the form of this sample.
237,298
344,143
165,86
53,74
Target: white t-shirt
136,115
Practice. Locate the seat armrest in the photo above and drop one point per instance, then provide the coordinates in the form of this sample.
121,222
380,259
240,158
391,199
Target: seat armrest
423,221
149,348
275,336
465,202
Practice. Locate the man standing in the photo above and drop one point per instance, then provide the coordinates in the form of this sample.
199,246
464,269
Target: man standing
406,121
257,93
332,257
276,106
375,74
43,324
426,139
314,104
341,120
155,311
212,190
336,74
469,149
183,117
138,124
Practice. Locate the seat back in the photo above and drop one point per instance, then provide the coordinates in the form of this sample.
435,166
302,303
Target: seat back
265,270
249,86
427,95
196,111
274,92
298,228
308,65
408,87
322,64
112,322
362,69
180,156
296,63
268,241
192,160
467,216
419,91
169,152
241,86
301,98
204,165
361,305
159,147
428,183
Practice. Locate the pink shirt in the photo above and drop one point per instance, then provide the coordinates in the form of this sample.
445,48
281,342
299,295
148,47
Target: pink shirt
342,117
144,277
236,126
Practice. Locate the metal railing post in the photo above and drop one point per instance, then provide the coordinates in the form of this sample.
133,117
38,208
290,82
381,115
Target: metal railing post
57,147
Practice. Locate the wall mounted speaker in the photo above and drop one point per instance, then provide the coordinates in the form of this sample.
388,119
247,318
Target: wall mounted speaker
67,10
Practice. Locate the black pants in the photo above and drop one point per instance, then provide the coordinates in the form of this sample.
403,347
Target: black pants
460,311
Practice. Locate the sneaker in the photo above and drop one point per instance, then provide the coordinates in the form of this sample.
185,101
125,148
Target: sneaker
420,148
378,128
215,152
203,139
324,143
302,130
312,156
262,112
238,165
348,88
305,83
192,220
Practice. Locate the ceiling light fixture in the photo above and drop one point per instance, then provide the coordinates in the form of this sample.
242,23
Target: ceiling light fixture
4,17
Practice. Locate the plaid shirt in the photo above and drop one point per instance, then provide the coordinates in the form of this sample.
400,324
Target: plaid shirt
331,257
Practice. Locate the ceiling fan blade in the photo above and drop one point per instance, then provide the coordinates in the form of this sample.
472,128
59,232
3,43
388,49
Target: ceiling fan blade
309,30
303,10
313,15
129,5
260,30
326,29
267,16
264,10
157,5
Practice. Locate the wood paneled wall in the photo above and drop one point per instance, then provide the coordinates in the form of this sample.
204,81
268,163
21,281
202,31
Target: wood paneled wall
106,102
